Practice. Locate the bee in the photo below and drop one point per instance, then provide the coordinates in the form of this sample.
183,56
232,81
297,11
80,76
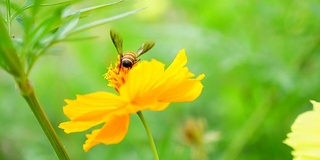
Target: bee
128,59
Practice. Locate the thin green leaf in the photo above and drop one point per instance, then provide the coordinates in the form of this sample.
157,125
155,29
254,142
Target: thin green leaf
36,44
103,21
77,39
40,32
67,27
9,59
56,4
88,11
45,29
30,5
25,21
36,7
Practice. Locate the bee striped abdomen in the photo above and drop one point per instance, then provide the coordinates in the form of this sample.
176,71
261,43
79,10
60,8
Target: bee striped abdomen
128,59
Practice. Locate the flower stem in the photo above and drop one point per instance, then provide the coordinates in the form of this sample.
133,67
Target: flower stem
249,128
153,146
29,95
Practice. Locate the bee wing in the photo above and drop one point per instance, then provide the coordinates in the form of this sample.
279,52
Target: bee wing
146,46
117,40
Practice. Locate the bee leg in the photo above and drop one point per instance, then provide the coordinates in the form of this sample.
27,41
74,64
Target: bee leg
120,68
137,60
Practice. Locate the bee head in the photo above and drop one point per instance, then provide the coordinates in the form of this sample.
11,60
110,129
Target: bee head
127,63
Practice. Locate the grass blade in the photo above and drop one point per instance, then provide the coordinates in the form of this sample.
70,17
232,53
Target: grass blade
87,11
103,21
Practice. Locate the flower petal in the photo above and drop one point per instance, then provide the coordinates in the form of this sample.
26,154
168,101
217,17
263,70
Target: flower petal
178,63
177,84
79,126
138,89
92,102
89,110
148,85
176,69
141,79
187,90
112,132
305,135
157,106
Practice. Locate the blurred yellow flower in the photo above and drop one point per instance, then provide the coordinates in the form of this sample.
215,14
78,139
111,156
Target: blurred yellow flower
147,86
305,135
194,134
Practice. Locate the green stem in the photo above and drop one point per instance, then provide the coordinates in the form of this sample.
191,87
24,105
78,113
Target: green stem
248,130
29,95
153,146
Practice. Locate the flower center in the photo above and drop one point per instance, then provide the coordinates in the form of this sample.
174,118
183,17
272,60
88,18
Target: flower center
117,76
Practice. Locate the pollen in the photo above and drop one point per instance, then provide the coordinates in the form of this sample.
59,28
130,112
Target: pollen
116,75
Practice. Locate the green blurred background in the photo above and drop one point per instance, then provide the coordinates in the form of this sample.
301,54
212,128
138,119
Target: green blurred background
261,60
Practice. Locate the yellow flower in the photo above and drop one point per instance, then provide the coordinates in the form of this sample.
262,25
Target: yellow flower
305,135
147,86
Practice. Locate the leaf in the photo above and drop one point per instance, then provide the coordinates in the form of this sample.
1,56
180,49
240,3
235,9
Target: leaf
67,27
87,11
29,5
44,31
9,59
103,21
78,39
41,31
25,21
36,4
